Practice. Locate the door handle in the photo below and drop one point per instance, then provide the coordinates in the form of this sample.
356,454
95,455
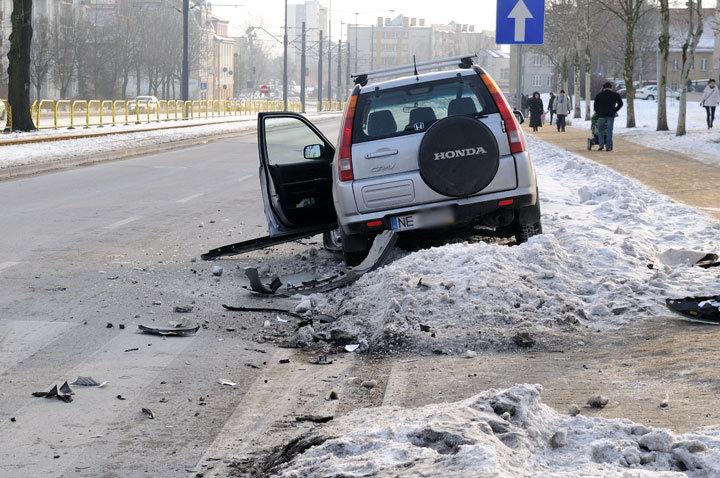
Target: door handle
381,153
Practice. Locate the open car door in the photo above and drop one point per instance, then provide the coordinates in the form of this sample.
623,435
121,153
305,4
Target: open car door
295,175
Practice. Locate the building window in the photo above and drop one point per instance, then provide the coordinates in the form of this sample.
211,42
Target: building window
537,80
549,81
504,73
537,59
692,66
674,86
675,64
703,64
405,34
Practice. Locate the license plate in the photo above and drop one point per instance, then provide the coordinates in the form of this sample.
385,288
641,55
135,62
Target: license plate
423,220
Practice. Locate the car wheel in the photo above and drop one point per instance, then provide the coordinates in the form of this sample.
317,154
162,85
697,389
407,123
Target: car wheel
523,232
590,143
650,97
355,248
332,241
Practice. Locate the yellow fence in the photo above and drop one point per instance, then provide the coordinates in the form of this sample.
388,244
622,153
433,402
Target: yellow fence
54,114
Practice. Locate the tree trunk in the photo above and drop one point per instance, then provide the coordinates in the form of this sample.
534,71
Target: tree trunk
588,81
628,74
664,46
576,80
688,58
19,66
123,91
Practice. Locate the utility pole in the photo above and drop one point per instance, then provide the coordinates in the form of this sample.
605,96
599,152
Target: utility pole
339,73
302,69
356,45
329,62
185,72
320,72
347,69
372,47
285,78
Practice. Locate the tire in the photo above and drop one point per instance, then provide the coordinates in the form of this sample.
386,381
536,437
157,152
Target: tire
332,241
355,248
590,143
523,232
650,98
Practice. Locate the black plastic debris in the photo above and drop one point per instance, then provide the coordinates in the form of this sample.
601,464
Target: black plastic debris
109,326
87,382
284,361
120,397
705,310
251,365
122,326
313,418
54,393
183,309
65,389
325,319
132,349
232,308
13,419
256,284
424,328
176,331
149,413
321,360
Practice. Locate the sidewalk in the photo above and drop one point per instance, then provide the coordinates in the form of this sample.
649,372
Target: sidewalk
675,175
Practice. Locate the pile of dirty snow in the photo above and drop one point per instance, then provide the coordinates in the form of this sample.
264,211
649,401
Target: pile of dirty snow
504,433
597,266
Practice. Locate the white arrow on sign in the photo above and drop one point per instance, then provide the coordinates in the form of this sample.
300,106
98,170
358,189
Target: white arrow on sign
520,13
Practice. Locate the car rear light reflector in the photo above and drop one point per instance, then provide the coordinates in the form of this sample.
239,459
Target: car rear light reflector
506,202
374,223
345,152
511,126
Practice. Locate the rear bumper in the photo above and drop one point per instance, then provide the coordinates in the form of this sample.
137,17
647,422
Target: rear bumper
464,211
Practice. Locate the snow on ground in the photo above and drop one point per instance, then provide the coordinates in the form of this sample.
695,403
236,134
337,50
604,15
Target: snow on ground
699,143
589,272
498,433
137,139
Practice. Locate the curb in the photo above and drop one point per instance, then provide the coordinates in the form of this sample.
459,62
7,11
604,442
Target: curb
25,170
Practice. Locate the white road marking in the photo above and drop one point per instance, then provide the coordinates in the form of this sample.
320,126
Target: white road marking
245,178
190,198
7,265
115,225
19,339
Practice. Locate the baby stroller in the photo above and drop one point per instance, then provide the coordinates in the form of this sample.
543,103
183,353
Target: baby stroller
594,139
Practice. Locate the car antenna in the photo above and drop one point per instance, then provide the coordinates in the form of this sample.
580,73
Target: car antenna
416,72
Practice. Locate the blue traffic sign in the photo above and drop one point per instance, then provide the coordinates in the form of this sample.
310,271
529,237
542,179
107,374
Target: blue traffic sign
520,22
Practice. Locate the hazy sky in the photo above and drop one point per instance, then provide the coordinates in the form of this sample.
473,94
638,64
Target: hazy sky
270,13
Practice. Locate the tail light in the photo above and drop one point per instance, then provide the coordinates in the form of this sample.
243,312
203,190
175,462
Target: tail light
345,151
512,128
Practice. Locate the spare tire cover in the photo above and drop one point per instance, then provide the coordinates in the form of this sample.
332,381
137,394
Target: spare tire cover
458,156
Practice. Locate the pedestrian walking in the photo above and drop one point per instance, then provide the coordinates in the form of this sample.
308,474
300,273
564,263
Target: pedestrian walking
551,106
710,100
535,105
524,104
562,109
607,104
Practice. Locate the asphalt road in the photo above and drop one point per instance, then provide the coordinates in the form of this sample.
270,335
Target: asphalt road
116,243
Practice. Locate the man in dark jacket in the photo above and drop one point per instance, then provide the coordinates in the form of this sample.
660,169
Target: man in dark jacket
551,106
607,104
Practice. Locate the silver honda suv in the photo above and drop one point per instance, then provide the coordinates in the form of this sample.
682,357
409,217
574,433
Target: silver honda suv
421,152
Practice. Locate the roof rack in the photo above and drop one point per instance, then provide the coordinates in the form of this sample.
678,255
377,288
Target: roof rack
463,61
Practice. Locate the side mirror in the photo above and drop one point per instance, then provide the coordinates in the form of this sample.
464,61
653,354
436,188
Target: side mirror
314,151
519,116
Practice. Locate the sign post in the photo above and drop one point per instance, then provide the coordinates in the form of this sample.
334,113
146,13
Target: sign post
520,22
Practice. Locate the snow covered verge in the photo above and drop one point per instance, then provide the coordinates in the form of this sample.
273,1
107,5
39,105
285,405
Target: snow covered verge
498,433
597,267
699,143
100,147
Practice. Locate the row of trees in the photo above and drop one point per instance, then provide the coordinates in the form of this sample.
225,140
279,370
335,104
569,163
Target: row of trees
100,56
604,35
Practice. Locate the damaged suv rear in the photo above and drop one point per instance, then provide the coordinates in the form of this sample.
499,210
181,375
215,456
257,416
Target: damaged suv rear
421,152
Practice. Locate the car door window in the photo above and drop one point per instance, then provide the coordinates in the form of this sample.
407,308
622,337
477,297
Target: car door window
286,139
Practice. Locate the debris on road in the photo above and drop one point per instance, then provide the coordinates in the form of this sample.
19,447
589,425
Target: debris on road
352,347
261,309
597,401
65,389
121,326
523,339
677,257
333,395
109,326
183,309
314,418
120,397
697,309
256,284
284,361
132,349
54,393
368,384
88,382
176,331
227,382
217,271
149,413
321,360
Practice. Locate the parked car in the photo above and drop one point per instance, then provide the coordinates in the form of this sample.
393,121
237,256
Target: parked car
651,93
421,152
142,103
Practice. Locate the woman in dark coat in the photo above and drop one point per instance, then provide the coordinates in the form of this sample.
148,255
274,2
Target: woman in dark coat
535,105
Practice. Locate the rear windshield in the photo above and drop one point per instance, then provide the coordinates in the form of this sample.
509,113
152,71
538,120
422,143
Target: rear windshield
412,109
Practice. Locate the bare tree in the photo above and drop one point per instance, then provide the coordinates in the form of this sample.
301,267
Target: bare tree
62,55
19,66
629,12
40,61
695,30
664,47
